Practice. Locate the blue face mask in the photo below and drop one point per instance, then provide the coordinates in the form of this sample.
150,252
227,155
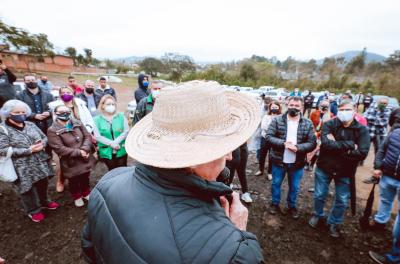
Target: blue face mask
18,118
145,83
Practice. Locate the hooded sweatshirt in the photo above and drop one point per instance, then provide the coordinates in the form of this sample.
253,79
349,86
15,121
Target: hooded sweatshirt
141,91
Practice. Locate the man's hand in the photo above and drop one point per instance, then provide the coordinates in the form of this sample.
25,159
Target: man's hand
331,137
46,114
290,146
235,211
377,174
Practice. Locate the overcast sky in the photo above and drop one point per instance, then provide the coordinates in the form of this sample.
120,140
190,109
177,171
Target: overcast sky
212,30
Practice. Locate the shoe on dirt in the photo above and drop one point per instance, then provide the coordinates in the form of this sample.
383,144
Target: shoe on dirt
37,218
334,231
246,197
79,202
258,173
378,258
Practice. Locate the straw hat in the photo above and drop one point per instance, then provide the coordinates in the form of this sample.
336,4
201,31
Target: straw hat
191,124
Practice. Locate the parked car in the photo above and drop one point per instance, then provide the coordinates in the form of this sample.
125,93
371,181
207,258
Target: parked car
130,110
266,88
278,95
316,96
19,86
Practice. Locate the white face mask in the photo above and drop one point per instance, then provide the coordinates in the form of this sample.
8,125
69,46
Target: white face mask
109,109
345,116
155,93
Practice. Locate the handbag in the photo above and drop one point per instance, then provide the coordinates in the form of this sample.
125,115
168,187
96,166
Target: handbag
7,170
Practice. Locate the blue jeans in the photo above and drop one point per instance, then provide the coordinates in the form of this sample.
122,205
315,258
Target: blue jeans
294,178
342,195
388,188
394,255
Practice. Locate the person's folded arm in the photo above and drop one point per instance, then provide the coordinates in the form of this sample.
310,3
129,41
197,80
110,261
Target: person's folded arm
338,145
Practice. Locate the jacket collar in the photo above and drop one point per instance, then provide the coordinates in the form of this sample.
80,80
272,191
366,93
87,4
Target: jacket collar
179,182
62,129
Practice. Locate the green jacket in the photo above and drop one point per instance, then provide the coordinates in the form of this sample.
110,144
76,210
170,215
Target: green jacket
110,131
144,107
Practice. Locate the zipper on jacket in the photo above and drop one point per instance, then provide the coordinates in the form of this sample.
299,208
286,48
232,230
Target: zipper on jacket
397,166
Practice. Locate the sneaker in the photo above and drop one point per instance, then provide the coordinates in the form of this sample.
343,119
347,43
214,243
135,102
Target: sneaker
314,221
269,177
294,213
246,197
79,202
311,190
86,197
51,206
334,231
37,218
258,173
274,209
377,257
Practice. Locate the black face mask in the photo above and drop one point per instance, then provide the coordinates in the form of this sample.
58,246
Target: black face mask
64,116
31,85
274,111
293,112
89,90
44,81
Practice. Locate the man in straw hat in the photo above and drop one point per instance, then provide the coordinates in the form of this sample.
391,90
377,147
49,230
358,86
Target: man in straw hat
169,208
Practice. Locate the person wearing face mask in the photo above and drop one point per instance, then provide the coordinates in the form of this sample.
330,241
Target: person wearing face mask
308,102
104,89
274,109
31,163
110,131
291,137
145,106
378,119
79,111
344,143
142,91
71,141
44,84
367,101
318,117
38,100
89,96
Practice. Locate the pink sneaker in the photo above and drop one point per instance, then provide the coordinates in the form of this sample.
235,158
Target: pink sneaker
37,218
51,206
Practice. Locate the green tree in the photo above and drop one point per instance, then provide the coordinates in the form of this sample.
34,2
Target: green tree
357,63
152,66
394,59
177,64
71,51
247,72
88,56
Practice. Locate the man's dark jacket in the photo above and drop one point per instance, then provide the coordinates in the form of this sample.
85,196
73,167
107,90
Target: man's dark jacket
276,137
46,97
7,90
149,215
144,107
308,100
141,92
387,158
339,157
96,98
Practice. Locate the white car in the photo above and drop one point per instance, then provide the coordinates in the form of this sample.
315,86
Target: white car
112,79
278,95
19,86
130,110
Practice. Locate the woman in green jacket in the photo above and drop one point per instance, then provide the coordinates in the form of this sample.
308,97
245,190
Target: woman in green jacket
111,131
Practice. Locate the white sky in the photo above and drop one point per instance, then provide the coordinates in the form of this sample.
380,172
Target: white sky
212,30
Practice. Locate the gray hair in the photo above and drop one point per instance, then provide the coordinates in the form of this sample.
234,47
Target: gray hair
9,106
346,102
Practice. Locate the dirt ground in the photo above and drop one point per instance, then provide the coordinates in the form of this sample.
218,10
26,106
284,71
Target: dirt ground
284,240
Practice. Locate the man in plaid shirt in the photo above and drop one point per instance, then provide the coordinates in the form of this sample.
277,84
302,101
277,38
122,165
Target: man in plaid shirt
378,119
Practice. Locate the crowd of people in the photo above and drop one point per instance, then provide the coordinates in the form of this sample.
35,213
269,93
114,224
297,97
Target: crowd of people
181,149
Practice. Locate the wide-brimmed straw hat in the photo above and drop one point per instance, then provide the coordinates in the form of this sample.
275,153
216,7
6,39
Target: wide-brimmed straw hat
193,123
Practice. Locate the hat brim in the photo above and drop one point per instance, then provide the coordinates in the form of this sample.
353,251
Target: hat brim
180,150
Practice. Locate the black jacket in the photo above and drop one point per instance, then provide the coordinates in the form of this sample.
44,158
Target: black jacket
276,137
109,90
308,100
141,92
149,215
46,97
387,158
144,107
339,157
7,77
